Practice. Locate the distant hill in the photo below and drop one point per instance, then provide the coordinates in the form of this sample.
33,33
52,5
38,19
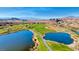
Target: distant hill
31,18
12,19
72,17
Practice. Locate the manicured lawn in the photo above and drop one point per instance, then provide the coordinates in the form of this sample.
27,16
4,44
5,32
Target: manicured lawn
41,46
41,28
14,28
58,47
3,31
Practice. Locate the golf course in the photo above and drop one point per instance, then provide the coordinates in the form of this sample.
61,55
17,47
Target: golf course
39,31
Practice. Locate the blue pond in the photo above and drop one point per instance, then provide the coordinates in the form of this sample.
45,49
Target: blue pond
20,40
59,37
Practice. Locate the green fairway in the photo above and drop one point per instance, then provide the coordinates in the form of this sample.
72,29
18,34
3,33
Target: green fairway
10,29
3,31
41,46
41,28
58,47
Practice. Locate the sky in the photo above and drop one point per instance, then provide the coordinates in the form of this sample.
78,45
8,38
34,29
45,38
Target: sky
38,12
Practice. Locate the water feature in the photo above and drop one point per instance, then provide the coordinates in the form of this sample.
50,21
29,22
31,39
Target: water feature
21,40
59,37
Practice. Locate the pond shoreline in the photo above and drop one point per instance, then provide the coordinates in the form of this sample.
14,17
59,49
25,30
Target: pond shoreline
25,40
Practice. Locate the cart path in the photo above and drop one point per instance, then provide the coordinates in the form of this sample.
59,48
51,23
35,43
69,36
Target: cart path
44,41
